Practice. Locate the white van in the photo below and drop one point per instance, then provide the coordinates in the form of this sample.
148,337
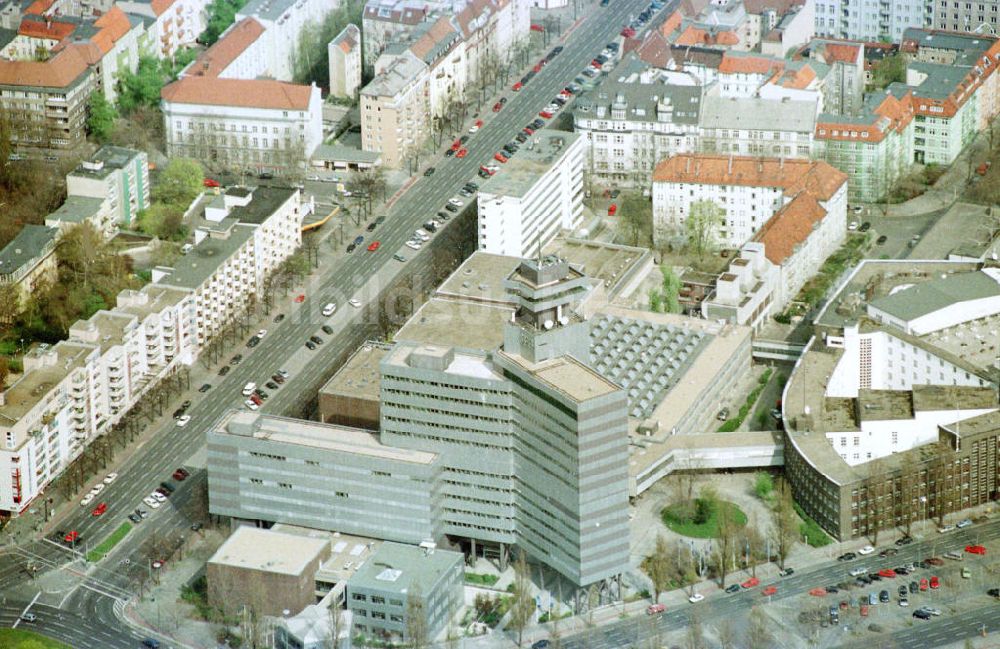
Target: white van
249,388
186,248
329,309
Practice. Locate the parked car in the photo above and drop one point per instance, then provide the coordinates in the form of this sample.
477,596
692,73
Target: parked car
654,609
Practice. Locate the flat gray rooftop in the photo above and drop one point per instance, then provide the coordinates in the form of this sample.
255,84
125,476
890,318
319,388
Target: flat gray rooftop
543,151
193,269
105,160
396,568
480,279
359,376
28,244
460,324
252,548
76,209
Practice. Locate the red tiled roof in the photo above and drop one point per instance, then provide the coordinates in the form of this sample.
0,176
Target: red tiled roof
58,72
696,36
439,31
39,7
247,93
749,65
47,29
790,227
654,50
842,53
798,79
112,25
160,6
213,61
780,7
671,24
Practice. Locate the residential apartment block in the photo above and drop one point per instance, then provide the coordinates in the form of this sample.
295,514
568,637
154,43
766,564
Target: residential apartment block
893,416
242,123
385,21
630,125
75,390
535,196
120,178
796,208
395,108
870,20
28,262
171,23
283,22
344,54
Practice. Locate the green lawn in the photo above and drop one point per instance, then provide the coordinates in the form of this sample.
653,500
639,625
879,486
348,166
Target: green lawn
109,543
706,530
20,639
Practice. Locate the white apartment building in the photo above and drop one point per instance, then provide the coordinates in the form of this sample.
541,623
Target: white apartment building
115,174
174,22
757,127
533,196
344,55
629,126
283,22
395,107
871,20
242,123
76,390
240,53
385,21
750,192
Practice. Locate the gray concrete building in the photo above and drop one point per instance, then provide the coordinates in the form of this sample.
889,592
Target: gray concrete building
276,469
377,593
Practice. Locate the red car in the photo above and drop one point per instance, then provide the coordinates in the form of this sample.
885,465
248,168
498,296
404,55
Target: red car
770,590
373,246
818,592
935,561
497,107
499,157
546,114
256,399
208,182
100,509
628,32
750,583
517,86
975,549
887,573
653,609
456,145
935,583
923,584
479,123
537,68
300,299
486,170
595,63
537,28
462,153
612,209
527,130
72,537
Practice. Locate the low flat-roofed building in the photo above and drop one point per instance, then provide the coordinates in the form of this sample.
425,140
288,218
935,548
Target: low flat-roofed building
84,209
940,303
267,570
377,594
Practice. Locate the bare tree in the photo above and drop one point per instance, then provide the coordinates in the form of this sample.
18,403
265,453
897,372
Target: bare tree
756,545
786,523
759,633
694,637
728,532
523,607
726,634
336,618
658,567
417,631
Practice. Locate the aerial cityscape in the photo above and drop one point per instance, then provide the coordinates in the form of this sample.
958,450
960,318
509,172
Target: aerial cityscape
499,324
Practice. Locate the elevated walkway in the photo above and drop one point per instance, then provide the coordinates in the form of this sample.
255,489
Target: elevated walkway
777,350
650,460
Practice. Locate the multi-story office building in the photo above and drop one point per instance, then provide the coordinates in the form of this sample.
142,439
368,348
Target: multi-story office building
344,54
536,195
28,262
116,175
630,125
544,427
892,416
378,593
76,390
395,108
256,124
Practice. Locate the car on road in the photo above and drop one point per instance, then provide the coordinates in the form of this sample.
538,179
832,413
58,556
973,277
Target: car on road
224,370
451,208
205,387
271,385
994,592
310,345
72,537
97,488
935,583
954,556
355,302
300,299
922,584
28,617
99,510
695,598
135,518
373,246
888,552
733,588
976,549
328,309
399,257
497,107
903,601
351,247
883,596
517,86
461,153
413,245
921,614
881,240
541,644
253,406
277,378
963,523
111,477
654,609
906,540
249,388
151,502
327,329
499,157
253,342
865,227
183,420
151,643
945,529
847,556
86,500
784,572
546,114
857,572
750,583
887,573
768,591
315,339
429,171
